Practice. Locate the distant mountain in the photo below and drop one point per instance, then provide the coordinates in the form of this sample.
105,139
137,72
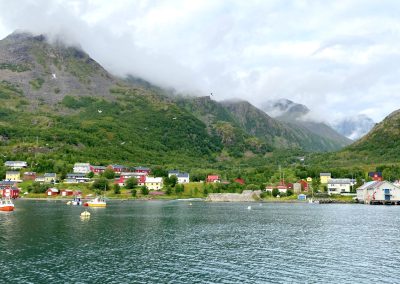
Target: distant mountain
282,133
354,127
295,115
285,109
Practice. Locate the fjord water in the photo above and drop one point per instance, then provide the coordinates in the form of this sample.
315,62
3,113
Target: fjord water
175,242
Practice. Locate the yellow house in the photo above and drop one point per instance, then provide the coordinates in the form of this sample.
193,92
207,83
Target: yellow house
154,183
324,177
13,175
49,177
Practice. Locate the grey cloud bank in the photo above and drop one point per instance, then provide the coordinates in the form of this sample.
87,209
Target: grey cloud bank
339,58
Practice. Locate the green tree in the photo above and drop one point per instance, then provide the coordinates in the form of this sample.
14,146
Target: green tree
108,174
275,192
168,190
131,183
117,189
289,192
252,187
179,189
100,184
36,187
134,192
144,190
90,175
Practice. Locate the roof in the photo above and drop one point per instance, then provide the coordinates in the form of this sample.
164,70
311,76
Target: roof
183,175
49,175
374,184
12,173
99,167
325,174
173,172
81,165
153,179
7,182
76,175
371,174
53,189
119,167
339,181
15,162
29,173
141,168
213,177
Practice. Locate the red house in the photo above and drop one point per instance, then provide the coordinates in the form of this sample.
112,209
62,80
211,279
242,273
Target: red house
376,176
144,170
29,176
304,185
97,169
213,178
118,169
11,192
239,181
67,192
52,191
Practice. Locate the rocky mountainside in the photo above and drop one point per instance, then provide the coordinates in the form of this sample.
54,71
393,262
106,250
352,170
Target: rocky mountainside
354,127
48,72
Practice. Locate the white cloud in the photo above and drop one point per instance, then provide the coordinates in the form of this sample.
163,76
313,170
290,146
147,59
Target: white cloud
337,57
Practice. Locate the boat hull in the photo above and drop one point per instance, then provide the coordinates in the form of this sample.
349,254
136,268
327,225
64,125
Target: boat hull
7,208
96,204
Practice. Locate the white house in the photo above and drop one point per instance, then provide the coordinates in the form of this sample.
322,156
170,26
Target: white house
76,178
16,165
82,168
154,183
182,177
378,192
338,186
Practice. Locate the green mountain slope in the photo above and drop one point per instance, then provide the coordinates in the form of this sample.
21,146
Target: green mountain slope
380,146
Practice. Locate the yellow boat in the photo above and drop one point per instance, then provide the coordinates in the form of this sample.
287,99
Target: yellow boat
97,202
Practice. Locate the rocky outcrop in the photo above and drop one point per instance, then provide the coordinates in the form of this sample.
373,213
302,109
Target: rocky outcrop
245,196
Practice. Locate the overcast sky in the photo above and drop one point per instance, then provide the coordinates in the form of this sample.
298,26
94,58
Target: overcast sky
339,58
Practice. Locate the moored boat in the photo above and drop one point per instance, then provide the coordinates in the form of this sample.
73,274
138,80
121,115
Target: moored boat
77,201
97,202
6,204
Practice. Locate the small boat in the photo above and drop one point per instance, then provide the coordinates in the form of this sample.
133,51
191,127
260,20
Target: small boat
85,214
6,204
97,202
77,201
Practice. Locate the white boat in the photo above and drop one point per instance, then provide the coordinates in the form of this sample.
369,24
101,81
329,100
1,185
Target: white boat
6,204
77,201
97,202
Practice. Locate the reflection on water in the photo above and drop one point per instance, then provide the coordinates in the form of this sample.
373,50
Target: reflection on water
161,242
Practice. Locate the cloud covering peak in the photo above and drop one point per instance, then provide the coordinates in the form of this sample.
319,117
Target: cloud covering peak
338,57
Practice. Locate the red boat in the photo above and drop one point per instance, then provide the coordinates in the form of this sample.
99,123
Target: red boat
6,205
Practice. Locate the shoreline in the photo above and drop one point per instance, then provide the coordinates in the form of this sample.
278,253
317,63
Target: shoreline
331,201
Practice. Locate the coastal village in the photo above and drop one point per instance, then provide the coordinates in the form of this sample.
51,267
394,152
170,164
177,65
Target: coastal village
375,190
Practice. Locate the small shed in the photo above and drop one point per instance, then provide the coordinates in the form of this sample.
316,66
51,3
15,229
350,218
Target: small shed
67,192
297,187
302,197
52,191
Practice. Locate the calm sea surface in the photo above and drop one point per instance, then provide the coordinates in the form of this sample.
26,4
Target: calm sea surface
173,242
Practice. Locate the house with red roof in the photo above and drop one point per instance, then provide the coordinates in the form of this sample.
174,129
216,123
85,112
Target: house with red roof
213,178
